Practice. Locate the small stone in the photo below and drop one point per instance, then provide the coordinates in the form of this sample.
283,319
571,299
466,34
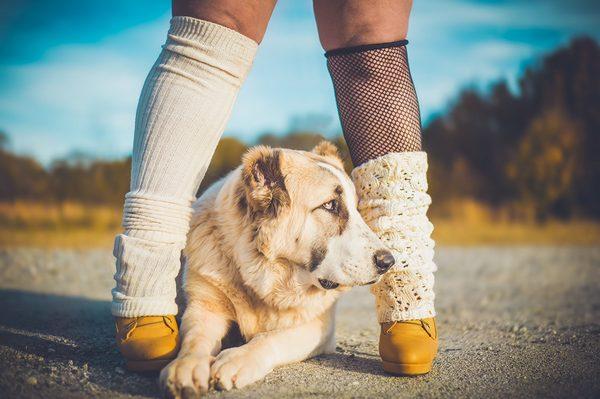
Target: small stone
355,383
32,381
119,370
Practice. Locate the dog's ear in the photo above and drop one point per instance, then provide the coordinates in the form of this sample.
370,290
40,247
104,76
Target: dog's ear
328,150
264,181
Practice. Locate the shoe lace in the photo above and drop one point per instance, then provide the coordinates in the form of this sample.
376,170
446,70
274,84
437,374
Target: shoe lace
129,327
422,323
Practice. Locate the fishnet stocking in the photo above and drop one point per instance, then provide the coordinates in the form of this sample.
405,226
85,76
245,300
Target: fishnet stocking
376,100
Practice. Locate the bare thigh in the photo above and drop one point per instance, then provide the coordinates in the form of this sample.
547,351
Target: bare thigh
248,17
347,23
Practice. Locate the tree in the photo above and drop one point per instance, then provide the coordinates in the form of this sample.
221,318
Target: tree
298,140
568,79
3,140
484,131
227,157
545,168
21,178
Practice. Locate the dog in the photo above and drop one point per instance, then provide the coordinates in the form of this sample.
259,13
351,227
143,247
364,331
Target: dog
271,247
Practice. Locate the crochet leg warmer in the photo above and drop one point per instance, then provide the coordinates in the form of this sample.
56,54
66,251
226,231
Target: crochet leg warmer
393,200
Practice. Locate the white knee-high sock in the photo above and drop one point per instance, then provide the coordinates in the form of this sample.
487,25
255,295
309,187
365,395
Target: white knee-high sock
184,106
393,200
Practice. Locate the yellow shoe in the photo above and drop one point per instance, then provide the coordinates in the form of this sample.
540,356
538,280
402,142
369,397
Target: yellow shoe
408,347
147,343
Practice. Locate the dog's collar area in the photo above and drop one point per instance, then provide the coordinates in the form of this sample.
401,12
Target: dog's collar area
328,284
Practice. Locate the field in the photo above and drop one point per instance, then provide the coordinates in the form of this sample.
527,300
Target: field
74,225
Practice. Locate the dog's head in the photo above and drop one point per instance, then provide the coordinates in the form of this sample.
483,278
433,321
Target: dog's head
303,207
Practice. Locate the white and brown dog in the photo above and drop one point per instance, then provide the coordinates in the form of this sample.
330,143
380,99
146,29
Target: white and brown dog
271,247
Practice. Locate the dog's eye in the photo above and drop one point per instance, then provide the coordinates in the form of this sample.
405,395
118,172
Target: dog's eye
330,206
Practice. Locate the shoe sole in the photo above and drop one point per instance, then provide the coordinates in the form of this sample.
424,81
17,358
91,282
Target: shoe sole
407,369
146,365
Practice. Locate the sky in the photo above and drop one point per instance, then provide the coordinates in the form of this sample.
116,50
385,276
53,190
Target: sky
71,71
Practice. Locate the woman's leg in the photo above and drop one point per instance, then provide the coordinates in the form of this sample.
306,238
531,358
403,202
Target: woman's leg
183,108
379,112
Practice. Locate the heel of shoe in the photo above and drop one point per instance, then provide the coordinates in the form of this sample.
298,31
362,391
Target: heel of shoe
146,365
406,369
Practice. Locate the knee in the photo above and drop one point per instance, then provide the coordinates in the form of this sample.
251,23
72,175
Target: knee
362,34
243,18
357,24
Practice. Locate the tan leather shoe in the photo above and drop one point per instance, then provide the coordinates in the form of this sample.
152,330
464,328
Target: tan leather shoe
408,347
147,343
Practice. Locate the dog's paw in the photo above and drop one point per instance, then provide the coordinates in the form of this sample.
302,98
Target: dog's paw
236,368
186,377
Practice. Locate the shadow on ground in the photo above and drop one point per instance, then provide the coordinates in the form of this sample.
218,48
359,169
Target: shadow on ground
52,344
67,339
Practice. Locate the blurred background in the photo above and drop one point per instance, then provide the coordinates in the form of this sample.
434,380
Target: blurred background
509,94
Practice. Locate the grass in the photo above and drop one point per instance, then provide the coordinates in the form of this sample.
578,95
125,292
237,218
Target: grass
466,223
455,232
68,225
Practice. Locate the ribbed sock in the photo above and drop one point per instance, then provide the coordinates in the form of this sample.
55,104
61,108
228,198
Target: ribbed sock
183,108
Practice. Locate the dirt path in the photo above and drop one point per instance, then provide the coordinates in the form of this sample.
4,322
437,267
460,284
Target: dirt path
514,322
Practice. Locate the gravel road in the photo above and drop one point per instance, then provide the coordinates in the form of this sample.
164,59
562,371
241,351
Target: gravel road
514,322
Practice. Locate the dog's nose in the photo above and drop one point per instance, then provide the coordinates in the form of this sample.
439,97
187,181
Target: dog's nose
383,260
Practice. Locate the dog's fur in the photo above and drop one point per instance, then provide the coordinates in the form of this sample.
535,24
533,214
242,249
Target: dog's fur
271,247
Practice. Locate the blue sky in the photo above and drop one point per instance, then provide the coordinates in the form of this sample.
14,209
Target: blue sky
71,71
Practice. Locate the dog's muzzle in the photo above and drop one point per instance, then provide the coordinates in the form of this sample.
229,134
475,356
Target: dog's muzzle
328,284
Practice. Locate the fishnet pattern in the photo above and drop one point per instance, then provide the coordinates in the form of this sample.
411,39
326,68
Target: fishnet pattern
377,102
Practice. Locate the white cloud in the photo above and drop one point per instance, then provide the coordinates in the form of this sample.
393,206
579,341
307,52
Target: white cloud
79,96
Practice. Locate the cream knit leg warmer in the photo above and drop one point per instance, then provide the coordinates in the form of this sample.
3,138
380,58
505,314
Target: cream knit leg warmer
393,200
184,106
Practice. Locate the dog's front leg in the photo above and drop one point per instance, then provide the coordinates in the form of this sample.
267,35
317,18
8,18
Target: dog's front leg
202,331
238,367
